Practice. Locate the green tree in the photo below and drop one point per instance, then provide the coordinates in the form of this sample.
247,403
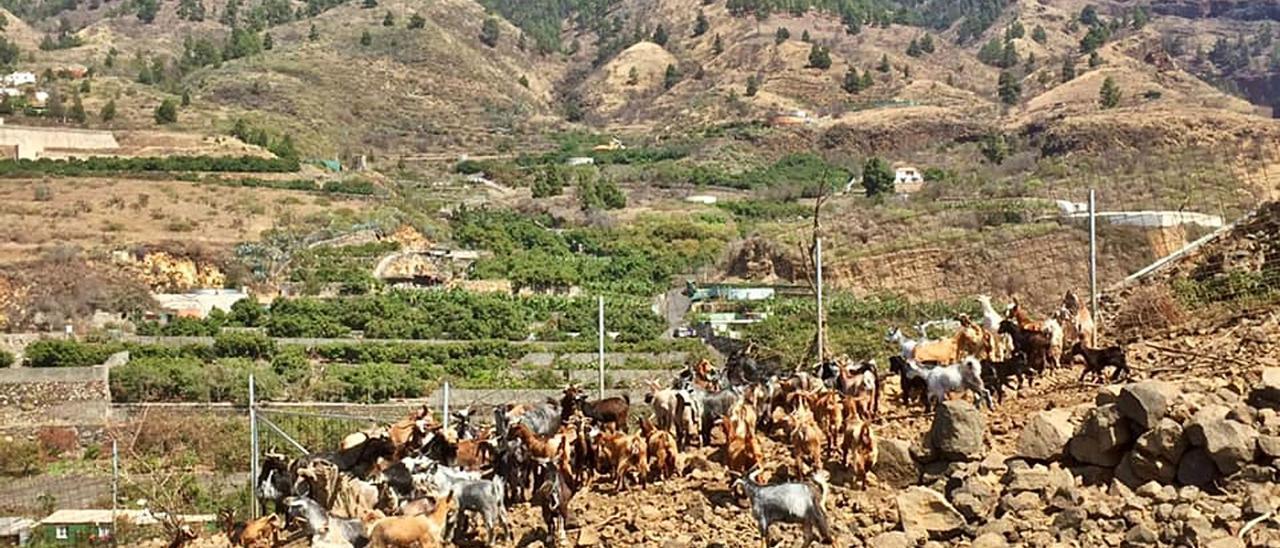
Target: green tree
490,32
633,76
994,148
1009,88
717,45
660,35
753,85
1039,35
523,81
389,20
852,83
167,112
819,57
913,49
804,36
186,98
1010,57
417,21
884,65
877,177
671,77
1068,69
267,42
6,105
370,4
77,113
1014,31
9,52
147,10
108,111
191,10
85,86
781,35
867,79
366,38
55,107
700,24
313,34
992,53
1095,60
852,24
1109,95
1089,15
1094,39
926,43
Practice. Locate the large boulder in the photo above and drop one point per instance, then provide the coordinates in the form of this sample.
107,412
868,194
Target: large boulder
894,466
1164,441
1266,395
1101,438
976,498
1196,468
1137,468
1229,443
1146,402
925,512
1040,479
957,432
1046,435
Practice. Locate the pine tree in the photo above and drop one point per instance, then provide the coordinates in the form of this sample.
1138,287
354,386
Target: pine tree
992,53
1009,88
913,49
108,111
660,35
867,80
370,4
781,35
852,82
1095,60
1031,62
700,24
804,36
186,98
167,112
1109,95
1039,35
314,34
1010,57
671,77
523,81
717,45
884,65
267,41
1089,15
1068,69
389,20
926,43
489,32
417,21
77,113
819,57
85,87
147,10
852,24
753,85
877,177
366,38
633,76
1014,31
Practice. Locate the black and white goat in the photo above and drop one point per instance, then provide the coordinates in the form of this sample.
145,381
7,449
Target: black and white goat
911,379
793,502
944,379
323,529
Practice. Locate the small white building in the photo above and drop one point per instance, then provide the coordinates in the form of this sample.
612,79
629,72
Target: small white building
198,303
17,79
907,174
580,161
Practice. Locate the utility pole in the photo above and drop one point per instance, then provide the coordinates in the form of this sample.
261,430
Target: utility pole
600,329
1093,258
818,262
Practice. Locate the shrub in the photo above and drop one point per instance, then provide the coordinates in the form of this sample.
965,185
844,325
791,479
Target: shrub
66,353
20,458
378,382
6,359
244,345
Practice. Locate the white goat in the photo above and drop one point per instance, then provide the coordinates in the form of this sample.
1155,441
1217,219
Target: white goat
1053,329
991,322
943,380
905,345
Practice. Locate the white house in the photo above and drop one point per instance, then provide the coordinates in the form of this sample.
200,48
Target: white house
907,174
41,99
16,79
198,303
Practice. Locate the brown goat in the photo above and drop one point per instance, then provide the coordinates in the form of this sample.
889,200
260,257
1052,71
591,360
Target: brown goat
860,444
742,452
663,453
263,532
626,453
828,412
538,447
474,454
806,442
421,530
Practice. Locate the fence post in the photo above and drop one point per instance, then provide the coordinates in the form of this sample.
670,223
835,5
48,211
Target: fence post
253,449
1093,258
817,248
115,486
600,328
446,406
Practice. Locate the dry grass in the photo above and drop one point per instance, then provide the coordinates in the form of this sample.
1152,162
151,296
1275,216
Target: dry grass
107,213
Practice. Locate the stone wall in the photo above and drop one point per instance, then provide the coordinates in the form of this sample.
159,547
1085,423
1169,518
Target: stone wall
32,397
36,142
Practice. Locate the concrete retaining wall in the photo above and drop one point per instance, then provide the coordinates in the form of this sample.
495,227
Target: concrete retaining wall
39,142
64,396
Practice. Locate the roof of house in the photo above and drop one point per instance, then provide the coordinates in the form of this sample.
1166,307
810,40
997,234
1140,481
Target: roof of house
95,516
11,526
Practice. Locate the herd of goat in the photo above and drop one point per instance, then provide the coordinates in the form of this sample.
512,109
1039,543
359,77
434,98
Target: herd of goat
416,482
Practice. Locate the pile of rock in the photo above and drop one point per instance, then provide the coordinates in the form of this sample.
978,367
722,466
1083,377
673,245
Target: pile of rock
1199,433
